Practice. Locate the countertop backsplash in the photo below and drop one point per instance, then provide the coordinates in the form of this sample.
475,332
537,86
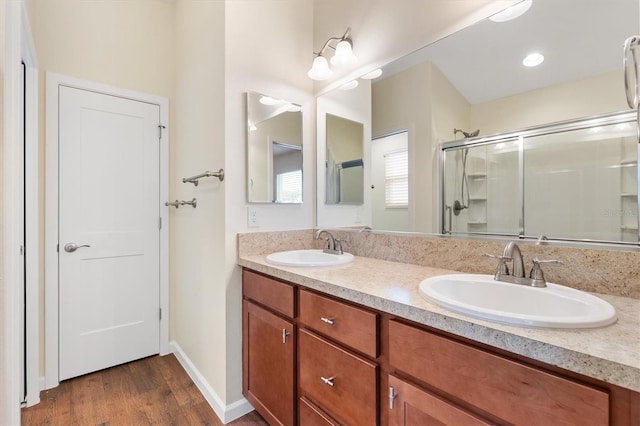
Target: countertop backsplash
597,270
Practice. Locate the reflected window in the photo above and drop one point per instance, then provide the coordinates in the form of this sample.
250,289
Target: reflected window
289,187
396,179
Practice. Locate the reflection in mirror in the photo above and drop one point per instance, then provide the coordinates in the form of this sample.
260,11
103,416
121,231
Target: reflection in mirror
465,82
274,150
575,181
344,166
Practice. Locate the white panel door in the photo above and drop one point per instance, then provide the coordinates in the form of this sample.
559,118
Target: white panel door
108,207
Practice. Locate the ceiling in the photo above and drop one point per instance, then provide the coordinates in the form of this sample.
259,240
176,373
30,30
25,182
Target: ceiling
578,38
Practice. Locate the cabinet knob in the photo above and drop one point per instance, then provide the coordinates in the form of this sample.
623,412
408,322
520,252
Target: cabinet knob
328,381
327,320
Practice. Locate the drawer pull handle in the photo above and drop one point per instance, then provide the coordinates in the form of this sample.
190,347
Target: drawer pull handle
284,335
327,320
392,396
328,381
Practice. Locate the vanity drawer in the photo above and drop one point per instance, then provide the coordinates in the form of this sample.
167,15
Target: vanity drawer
268,292
342,384
514,392
311,415
351,326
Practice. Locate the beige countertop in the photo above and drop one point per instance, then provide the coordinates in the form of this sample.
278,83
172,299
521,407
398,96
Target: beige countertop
610,354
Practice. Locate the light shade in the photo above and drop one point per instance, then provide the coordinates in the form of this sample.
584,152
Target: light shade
320,69
344,54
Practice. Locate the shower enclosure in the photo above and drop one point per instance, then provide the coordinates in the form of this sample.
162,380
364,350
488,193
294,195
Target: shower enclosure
575,181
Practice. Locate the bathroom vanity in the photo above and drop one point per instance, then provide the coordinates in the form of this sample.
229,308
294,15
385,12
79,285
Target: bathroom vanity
357,345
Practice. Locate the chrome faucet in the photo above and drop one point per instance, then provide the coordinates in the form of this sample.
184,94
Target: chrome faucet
513,254
332,245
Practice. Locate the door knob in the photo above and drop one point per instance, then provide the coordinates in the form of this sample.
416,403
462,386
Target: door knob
71,247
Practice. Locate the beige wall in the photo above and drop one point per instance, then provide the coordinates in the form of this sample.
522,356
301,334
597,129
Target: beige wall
197,235
124,44
422,101
599,94
268,45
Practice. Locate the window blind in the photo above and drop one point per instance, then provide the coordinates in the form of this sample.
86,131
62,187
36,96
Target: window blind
289,187
396,178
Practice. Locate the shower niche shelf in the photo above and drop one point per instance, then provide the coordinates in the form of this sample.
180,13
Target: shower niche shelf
629,198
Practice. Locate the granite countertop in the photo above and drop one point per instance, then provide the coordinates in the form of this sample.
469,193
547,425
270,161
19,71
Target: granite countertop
610,354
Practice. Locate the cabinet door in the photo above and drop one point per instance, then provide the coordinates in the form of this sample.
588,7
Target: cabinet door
268,373
413,406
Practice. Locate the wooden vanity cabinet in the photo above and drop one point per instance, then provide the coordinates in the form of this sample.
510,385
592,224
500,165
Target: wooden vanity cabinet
269,348
311,359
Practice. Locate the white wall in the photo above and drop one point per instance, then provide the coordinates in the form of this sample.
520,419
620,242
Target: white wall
5,346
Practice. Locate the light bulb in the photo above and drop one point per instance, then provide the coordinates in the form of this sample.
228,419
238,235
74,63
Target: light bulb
320,69
344,54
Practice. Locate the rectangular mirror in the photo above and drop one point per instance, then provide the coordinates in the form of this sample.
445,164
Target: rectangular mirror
274,150
464,82
344,176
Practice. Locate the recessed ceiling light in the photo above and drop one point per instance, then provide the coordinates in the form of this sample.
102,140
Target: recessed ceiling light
512,12
350,85
268,100
533,60
373,74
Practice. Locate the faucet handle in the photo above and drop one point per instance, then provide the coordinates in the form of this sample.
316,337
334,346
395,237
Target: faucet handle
502,268
536,272
338,245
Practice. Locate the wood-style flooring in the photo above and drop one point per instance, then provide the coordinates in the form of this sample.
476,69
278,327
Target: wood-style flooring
151,391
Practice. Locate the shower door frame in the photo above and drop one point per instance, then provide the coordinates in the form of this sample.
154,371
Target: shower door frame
520,135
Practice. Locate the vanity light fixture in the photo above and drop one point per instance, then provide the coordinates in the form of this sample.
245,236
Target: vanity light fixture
533,59
512,12
343,56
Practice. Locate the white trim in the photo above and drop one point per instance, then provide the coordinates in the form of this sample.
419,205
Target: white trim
12,215
53,81
226,413
32,212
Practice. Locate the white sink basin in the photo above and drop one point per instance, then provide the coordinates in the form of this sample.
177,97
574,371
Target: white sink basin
553,306
308,258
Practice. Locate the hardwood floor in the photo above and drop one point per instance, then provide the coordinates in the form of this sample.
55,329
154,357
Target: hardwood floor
151,391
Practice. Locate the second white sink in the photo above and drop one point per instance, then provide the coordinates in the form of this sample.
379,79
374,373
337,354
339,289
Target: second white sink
554,306
308,258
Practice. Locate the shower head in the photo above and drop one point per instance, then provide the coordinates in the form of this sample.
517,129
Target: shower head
467,134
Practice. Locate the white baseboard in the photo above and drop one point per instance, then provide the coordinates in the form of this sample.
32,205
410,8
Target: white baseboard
226,413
